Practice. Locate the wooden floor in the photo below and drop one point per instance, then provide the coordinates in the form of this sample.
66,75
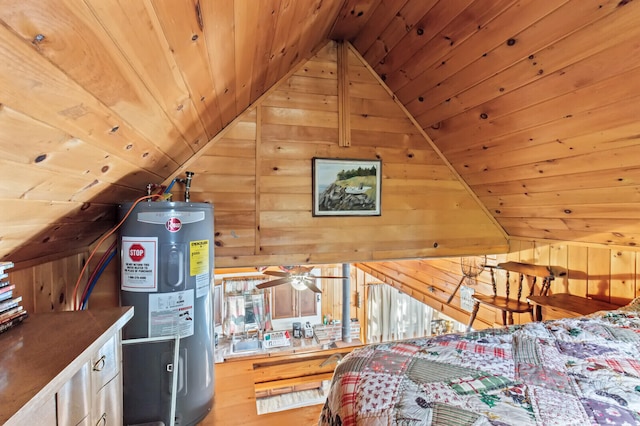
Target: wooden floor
235,402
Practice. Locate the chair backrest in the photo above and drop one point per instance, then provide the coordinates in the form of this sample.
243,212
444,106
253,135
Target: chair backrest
523,269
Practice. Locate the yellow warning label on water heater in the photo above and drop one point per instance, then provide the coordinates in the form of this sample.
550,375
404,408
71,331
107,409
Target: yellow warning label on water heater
198,257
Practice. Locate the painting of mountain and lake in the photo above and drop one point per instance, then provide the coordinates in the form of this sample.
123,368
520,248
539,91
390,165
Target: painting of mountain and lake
346,187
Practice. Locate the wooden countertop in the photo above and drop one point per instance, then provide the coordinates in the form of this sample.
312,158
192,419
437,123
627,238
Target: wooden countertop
41,354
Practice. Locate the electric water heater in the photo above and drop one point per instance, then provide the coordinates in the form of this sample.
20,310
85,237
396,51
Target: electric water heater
166,253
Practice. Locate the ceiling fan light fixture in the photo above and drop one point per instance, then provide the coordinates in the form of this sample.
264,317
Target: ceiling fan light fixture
300,278
298,283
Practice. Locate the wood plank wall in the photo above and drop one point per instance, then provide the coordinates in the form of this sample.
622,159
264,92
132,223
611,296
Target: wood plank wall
47,286
258,176
598,272
603,273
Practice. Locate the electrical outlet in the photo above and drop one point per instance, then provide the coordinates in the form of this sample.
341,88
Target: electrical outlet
466,302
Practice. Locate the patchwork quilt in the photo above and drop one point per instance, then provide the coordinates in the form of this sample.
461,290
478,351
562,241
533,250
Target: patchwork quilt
574,371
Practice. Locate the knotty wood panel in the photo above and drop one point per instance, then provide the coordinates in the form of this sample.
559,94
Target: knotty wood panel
606,92
430,26
139,35
473,19
425,208
503,27
524,44
623,272
403,21
48,286
97,65
531,105
526,100
43,147
528,86
266,24
78,112
378,20
98,99
352,17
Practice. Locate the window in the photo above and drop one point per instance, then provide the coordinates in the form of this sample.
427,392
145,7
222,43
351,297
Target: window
246,307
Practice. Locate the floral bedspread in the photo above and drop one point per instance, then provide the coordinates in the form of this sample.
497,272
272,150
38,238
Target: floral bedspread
578,371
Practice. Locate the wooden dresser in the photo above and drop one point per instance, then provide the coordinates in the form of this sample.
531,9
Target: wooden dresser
63,368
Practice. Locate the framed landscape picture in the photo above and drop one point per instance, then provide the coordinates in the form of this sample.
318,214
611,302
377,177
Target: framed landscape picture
345,187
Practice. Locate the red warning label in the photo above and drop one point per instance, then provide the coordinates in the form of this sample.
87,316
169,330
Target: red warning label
136,252
139,263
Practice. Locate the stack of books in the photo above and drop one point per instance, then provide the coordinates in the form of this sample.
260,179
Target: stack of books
12,312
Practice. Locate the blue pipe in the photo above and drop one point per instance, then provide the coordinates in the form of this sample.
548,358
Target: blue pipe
83,306
166,191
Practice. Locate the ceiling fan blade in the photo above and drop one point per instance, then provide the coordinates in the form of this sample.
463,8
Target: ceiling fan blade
312,287
273,283
276,273
325,276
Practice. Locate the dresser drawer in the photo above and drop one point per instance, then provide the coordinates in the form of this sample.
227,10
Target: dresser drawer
107,409
74,398
105,364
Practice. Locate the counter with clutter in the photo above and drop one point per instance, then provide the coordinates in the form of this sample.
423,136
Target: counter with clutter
301,338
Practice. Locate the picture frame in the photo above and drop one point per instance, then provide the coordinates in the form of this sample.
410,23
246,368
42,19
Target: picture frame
346,187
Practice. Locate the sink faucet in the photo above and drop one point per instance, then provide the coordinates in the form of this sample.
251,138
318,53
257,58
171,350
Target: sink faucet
328,361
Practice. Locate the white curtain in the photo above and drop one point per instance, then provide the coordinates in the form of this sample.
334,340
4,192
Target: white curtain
394,315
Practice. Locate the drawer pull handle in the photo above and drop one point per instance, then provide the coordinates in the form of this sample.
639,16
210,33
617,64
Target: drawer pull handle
102,421
99,364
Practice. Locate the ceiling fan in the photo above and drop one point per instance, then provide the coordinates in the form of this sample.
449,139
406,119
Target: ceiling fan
300,278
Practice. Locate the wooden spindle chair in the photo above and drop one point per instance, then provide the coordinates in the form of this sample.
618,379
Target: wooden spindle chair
507,304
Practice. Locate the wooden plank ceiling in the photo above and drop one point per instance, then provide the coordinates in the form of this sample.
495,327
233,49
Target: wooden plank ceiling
534,103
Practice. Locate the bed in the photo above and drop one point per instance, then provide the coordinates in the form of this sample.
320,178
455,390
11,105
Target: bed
574,371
